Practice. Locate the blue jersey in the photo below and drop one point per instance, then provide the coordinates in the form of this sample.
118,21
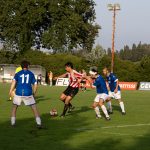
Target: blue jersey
24,81
112,81
100,85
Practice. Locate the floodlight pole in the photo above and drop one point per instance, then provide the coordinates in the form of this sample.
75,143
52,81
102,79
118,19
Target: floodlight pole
113,40
113,8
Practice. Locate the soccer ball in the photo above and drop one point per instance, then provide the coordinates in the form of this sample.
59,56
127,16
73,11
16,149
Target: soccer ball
53,112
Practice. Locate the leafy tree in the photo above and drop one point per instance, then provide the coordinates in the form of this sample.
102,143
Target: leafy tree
22,22
136,53
60,25
144,69
96,54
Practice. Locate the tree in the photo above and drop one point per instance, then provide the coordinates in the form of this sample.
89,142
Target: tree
22,22
144,69
54,24
72,26
96,54
109,52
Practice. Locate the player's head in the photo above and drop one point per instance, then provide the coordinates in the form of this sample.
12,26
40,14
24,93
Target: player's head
93,72
25,64
106,71
68,66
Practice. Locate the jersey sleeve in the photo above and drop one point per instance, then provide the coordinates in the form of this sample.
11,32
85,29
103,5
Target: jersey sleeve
114,78
97,82
16,77
78,75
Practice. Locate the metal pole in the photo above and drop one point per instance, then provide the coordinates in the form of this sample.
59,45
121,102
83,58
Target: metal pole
113,39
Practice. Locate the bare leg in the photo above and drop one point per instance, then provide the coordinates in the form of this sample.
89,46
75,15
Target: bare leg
13,115
101,104
63,99
110,110
96,108
36,114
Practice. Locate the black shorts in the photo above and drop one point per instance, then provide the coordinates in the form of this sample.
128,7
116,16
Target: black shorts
83,82
70,91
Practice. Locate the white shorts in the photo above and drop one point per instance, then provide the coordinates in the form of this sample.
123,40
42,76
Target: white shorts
28,100
115,95
103,96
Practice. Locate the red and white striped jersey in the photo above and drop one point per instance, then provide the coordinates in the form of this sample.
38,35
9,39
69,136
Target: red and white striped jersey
73,79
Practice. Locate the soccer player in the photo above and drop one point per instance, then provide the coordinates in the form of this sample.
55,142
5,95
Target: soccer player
114,88
73,88
18,69
102,93
13,92
26,87
83,82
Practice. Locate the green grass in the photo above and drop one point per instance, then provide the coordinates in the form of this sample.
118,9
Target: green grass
79,131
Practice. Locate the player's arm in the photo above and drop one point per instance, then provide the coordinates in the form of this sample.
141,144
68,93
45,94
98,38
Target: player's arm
12,87
61,76
34,87
108,88
88,78
117,84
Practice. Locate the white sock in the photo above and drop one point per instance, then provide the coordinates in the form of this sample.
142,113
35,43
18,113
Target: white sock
13,120
104,110
122,106
97,111
109,106
38,120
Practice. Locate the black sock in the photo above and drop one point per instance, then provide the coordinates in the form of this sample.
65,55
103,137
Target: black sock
70,105
65,109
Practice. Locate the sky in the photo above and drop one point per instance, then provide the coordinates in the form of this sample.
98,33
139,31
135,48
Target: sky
132,22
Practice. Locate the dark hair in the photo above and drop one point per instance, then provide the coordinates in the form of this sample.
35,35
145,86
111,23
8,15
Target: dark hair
107,68
69,64
94,69
25,64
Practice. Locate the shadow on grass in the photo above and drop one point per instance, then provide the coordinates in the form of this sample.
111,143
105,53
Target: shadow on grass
58,134
40,98
116,107
79,110
25,136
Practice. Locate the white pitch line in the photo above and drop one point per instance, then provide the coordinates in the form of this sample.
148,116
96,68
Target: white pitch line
109,127
123,134
124,126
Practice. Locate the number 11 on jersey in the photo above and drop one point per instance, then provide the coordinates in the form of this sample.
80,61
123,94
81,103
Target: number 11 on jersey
25,78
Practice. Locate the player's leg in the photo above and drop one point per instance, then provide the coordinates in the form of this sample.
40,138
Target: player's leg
30,101
16,102
96,109
109,106
13,115
96,106
64,95
67,105
36,114
103,98
72,94
121,103
117,96
63,98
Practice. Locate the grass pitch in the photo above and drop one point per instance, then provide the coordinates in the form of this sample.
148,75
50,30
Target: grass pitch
80,130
